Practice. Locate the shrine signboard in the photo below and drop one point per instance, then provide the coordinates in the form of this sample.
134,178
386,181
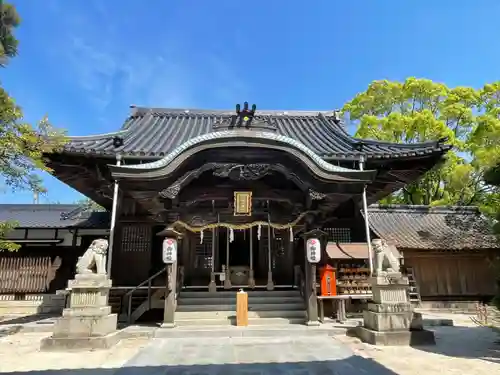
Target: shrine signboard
242,203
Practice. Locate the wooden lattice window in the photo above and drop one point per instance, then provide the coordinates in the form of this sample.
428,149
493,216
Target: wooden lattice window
136,238
203,252
342,235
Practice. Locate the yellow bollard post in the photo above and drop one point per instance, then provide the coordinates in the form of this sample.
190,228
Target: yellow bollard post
241,308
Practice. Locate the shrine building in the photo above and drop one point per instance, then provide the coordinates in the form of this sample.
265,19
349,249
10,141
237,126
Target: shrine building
240,191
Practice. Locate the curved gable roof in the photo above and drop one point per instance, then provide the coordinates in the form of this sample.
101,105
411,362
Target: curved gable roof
157,132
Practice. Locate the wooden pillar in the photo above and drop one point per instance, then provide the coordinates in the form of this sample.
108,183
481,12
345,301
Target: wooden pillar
171,284
310,274
170,302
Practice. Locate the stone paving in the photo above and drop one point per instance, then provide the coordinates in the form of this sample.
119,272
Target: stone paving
464,349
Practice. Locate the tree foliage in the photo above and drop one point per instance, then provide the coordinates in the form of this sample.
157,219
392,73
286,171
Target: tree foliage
21,145
420,110
9,20
90,205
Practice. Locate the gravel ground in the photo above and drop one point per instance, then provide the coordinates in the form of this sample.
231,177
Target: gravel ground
463,349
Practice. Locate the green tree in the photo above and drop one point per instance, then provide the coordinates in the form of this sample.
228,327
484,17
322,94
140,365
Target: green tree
21,145
484,142
89,204
9,20
420,110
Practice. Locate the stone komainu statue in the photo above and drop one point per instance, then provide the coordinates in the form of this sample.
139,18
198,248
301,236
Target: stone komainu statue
95,256
384,262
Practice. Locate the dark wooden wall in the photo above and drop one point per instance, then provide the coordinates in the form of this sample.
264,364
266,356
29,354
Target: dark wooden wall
452,275
132,253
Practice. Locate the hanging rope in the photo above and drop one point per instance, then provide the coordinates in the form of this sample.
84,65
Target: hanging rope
231,226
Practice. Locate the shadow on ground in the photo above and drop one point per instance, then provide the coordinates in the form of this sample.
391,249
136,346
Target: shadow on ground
28,319
353,365
466,342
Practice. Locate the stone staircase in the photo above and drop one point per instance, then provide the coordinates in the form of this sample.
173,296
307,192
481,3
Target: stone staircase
219,309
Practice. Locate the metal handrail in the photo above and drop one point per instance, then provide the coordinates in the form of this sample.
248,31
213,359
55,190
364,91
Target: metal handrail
140,286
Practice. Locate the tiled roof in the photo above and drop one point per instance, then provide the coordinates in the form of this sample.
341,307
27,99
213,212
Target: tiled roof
52,216
424,227
156,132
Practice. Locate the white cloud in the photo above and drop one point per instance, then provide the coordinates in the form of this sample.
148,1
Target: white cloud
103,63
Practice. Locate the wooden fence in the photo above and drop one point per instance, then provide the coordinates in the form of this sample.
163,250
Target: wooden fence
31,274
487,316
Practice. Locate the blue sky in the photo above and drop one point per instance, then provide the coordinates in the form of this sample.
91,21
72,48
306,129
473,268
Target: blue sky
83,62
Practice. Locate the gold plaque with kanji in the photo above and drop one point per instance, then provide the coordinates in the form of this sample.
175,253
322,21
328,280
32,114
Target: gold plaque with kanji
242,203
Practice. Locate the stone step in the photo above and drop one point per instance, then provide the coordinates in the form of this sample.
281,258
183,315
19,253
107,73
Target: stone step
252,300
269,331
193,315
252,307
251,293
231,321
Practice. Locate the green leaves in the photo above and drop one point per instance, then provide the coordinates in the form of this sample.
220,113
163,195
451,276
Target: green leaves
420,110
90,205
22,145
9,20
5,227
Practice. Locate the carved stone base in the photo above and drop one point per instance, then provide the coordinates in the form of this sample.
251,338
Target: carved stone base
389,289
394,338
88,322
388,316
387,321
390,319
79,343
84,325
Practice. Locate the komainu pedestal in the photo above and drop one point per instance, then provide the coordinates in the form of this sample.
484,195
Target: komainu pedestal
88,322
389,319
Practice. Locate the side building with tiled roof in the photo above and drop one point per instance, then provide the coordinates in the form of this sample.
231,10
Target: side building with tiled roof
452,250
51,238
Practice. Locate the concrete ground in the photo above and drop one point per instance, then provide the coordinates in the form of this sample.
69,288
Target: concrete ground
463,349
